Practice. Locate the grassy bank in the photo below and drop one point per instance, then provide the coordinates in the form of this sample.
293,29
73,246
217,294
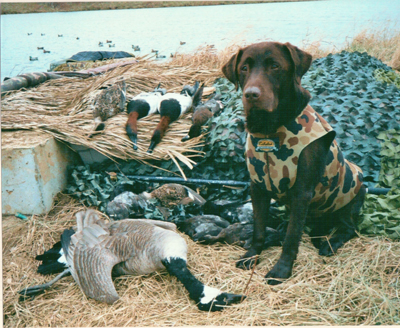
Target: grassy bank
44,7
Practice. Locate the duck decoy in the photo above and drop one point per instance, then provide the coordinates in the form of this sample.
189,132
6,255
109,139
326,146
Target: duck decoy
202,112
77,38
111,45
33,58
153,50
46,51
144,104
137,48
60,35
40,48
108,41
160,56
172,106
172,194
29,33
172,55
95,250
108,103
42,34
182,43
101,43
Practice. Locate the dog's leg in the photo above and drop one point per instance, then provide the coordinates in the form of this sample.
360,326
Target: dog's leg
348,219
261,200
310,170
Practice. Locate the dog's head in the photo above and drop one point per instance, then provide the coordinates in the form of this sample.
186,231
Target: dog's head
269,73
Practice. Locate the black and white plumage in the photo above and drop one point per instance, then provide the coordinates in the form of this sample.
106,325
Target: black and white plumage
144,104
108,103
172,106
202,112
96,250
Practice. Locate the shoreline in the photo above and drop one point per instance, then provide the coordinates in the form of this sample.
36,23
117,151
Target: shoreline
11,8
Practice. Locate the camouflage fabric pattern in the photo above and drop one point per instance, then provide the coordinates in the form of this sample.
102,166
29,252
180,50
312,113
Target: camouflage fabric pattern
276,170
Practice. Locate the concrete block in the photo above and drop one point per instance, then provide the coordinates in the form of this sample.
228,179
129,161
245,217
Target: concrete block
33,169
89,156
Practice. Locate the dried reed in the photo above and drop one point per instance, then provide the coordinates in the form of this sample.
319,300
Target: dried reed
359,285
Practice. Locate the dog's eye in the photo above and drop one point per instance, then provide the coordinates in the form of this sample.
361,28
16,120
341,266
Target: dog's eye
274,66
244,68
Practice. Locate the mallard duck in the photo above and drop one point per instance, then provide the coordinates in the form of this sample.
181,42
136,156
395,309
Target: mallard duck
172,194
108,103
144,104
172,106
96,250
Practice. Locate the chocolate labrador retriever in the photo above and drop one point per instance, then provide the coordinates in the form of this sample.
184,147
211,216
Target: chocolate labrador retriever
292,156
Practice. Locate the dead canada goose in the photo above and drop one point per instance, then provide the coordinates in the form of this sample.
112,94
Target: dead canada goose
108,103
95,250
171,194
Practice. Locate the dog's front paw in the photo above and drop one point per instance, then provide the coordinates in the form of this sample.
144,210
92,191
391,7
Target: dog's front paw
248,260
279,272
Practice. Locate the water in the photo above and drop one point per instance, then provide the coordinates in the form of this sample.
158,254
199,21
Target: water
333,22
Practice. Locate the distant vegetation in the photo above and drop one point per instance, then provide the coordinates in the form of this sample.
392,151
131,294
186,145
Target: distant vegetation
44,7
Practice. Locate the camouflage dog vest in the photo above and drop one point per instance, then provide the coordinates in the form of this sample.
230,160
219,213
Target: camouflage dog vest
272,163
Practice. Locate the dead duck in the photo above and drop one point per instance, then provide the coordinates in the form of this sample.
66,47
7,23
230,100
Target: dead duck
172,194
199,226
94,251
108,103
202,112
172,106
144,104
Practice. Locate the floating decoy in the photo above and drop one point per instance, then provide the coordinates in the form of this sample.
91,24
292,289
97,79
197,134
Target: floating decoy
172,106
144,104
108,103
202,112
46,51
108,41
77,38
33,58
42,34
182,43
172,194
101,44
29,33
60,35
111,45
40,48
160,56
96,250
136,48
172,55
153,50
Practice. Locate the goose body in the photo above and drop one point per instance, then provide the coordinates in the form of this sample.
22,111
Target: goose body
96,250
108,103
144,104
172,106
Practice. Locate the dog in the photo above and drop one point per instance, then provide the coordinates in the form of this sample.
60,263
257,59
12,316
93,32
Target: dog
292,156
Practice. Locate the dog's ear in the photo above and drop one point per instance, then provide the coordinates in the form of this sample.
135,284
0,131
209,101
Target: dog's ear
230,68
301,59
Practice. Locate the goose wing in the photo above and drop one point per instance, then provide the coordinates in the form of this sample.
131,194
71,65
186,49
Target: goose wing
90,259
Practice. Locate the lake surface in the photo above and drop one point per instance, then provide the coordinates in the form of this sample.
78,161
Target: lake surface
332,22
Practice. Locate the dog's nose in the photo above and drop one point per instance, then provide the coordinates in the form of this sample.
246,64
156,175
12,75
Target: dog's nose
252,93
